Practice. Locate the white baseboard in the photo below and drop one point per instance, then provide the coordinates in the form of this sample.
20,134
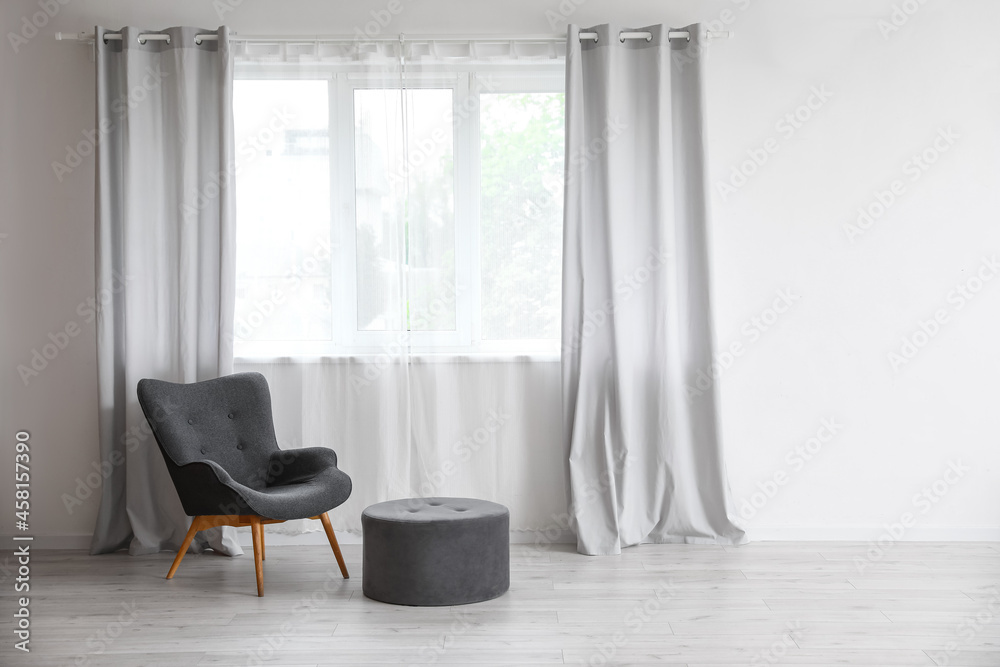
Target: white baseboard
313,538
542,537
872,532
54,541
318,538
778,533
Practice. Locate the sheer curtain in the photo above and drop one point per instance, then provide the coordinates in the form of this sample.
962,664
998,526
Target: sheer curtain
388,377
645,457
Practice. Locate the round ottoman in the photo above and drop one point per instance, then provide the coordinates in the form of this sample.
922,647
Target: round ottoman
429,552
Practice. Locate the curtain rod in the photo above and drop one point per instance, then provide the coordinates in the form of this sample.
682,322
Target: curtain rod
304,39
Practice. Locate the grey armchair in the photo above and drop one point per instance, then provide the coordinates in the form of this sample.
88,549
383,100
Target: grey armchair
217,439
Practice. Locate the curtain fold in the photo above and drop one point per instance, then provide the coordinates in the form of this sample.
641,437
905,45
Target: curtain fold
645,460
165,262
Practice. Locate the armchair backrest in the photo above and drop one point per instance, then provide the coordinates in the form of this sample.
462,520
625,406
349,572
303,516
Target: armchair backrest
226,420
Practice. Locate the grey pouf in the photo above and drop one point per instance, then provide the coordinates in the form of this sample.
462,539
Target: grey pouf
429,552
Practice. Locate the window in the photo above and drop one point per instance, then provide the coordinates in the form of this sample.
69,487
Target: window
520,222
369,214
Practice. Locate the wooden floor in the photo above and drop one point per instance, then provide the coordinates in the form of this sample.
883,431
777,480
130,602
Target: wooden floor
761,604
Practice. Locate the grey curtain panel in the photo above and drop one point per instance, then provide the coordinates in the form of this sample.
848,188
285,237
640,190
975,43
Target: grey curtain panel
165,261
645,460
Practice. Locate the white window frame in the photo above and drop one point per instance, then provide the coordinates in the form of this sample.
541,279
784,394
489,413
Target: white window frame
377,340
544,81
467,83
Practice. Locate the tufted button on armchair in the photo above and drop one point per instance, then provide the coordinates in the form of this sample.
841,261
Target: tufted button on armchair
217,439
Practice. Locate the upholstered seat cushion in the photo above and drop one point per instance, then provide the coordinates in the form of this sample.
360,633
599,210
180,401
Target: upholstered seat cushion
298,497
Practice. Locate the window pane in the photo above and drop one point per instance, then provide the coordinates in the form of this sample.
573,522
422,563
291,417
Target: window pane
521,214
283,264
405,203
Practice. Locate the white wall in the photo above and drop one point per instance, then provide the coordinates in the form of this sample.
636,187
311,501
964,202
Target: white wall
825,358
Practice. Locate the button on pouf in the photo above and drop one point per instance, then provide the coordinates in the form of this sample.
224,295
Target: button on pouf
430,552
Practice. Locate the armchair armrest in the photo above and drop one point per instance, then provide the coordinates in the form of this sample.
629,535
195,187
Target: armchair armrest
295,465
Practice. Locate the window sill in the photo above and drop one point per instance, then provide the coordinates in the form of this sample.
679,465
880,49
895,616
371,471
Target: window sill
415,358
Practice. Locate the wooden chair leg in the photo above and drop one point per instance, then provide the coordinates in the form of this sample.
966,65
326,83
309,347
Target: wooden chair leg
196,525
328,527
263,552
256,529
